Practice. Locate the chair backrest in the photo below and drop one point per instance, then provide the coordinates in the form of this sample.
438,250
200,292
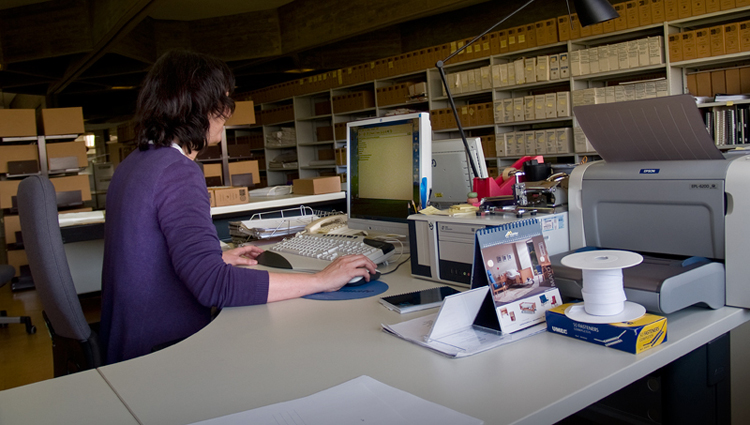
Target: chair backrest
6,273
37,210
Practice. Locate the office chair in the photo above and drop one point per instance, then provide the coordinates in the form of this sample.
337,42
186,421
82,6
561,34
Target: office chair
75,346
6,274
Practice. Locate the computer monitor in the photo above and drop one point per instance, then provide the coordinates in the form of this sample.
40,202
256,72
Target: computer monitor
389,170
452,176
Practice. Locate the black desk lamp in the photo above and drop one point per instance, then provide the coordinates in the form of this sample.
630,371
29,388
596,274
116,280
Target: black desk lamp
589,12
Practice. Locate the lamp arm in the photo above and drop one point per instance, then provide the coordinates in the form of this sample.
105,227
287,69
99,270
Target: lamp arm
458,120
485,33
440,65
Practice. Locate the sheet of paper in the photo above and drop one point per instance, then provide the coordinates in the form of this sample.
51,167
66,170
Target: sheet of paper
465,342
78,218
361,400
458,312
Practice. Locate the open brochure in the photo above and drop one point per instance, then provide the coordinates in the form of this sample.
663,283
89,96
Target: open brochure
454,331
512,260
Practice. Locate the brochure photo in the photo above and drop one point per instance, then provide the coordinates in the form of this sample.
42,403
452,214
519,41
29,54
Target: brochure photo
519,273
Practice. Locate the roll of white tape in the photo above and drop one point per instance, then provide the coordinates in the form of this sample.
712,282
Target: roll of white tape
603,290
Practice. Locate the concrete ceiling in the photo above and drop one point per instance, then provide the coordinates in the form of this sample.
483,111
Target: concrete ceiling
94,53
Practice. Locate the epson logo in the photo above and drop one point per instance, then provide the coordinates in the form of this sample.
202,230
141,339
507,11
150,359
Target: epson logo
560,330
649,170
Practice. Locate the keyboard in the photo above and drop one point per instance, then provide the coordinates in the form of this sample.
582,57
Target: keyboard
315,251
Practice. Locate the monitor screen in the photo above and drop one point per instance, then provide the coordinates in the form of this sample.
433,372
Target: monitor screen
389,168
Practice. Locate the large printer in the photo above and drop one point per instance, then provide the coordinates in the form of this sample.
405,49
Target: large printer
663,190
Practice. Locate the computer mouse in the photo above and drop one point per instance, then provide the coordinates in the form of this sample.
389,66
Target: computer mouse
273,259
360,280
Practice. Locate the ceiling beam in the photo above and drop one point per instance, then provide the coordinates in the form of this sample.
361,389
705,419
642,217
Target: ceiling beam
117,22
236,37
307,24
39,31
365,48
170,35
139,44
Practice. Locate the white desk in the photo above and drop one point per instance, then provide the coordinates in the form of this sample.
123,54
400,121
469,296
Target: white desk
254,356
82,398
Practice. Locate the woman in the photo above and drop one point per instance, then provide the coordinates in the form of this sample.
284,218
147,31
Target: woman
163,267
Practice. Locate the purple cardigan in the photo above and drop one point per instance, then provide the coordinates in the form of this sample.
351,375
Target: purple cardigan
162,269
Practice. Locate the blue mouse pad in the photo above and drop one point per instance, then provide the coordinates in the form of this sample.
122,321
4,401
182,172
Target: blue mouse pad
369,289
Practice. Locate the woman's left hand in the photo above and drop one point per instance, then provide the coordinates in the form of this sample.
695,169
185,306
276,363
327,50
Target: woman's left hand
242,256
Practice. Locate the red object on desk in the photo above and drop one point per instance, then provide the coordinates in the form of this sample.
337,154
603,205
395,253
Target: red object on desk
497,187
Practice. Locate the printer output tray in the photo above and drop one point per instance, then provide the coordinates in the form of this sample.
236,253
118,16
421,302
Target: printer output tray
661,285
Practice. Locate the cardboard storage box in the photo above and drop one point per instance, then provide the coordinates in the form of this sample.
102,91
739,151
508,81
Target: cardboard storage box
119,151
323,108
66,155
732,80
732,38
239,150
58,121
718,82
17,122
126,132
17,258
244,113
8,190
635,336
213,174
12,228
718,46
222,196
316,185
675,48
325,154
339,131
25,157
324,134
244,173
702,43
70,188
340,154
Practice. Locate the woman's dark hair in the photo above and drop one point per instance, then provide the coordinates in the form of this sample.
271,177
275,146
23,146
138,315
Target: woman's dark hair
180,93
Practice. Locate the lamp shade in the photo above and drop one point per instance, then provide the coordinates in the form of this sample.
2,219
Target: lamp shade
594,11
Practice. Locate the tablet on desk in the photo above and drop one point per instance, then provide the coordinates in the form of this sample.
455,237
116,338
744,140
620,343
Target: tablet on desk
419,300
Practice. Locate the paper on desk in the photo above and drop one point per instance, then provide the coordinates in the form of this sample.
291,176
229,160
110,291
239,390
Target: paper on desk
271,191
451,331
361,400
79,218
464,343
269,227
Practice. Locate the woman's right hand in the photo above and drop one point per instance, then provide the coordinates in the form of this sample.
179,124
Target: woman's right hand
284,286
343,269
